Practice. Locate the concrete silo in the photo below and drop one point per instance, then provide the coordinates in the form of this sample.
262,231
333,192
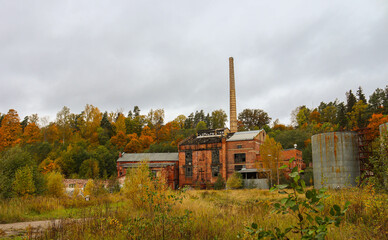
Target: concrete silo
383,129
335,159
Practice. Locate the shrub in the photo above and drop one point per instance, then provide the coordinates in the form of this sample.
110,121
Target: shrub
308,211
55,186
138,183
23,184
220,183
88,190
235,181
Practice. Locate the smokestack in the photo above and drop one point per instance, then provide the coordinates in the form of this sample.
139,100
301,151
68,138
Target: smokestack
233,114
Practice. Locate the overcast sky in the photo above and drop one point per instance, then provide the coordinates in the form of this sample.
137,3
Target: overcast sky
174,54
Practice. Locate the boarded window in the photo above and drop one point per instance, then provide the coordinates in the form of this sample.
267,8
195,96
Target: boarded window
215,156
239,158
189,171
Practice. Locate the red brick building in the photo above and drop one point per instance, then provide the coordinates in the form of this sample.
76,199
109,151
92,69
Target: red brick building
202,157
210,153
161,164
287,154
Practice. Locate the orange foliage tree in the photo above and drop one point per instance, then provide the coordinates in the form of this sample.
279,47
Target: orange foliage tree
119,140
89,121
32,134
52,133
375,121
10,130
120,124
49,165
134,146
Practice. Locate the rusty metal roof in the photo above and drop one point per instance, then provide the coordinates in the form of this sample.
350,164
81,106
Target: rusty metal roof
202,140
150,165
243,136
150,157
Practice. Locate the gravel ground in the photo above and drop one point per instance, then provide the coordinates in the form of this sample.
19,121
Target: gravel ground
19,228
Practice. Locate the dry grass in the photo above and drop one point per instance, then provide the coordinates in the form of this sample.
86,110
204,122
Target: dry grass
212,215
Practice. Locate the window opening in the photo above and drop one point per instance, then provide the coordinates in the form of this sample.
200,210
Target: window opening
239,158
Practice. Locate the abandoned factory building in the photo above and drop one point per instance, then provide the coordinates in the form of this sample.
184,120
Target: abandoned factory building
208,154
202,157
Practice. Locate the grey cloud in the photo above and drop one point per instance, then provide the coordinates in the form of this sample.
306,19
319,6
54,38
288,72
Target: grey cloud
174,54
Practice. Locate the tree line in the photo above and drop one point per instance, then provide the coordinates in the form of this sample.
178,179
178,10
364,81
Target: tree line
87,144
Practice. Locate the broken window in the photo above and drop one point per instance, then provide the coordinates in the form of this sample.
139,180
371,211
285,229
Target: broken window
215,171
238,167
215,156
239,146
239,158
189,157
189,171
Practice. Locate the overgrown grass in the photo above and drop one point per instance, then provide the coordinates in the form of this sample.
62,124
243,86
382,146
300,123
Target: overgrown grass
46,208
202,214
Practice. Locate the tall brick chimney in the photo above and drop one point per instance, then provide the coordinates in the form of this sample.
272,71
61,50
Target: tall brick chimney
233,114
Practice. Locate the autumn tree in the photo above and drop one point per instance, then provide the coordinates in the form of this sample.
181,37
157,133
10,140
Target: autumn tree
155,121
253,118
10,130
64,120
168,132
303,116
270,152
358,116
133,146
329,114
181,121
135,124
375,121
48,165
120,140
31,134
119,125
51,134
89,121
315,116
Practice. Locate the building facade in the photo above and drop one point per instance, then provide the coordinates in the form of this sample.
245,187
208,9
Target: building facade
212,153
161,165
203,157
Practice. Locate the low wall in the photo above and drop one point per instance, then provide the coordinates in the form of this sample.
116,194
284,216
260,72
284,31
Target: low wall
256,183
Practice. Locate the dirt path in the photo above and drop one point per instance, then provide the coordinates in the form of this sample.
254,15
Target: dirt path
15,229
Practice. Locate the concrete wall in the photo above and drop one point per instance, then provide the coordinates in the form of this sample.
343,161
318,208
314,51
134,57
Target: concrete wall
335,159
256,183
